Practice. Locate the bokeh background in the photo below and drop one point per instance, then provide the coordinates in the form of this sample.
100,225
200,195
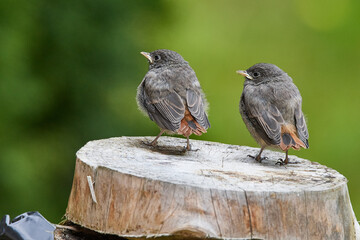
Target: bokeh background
69,72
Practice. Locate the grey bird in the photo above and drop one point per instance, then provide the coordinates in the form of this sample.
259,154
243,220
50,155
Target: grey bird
270,106
171,95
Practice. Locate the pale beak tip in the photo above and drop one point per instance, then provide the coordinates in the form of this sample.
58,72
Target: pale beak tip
147,55
244,73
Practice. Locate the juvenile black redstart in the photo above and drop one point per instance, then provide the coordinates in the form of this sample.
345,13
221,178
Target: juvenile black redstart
270,106
170,94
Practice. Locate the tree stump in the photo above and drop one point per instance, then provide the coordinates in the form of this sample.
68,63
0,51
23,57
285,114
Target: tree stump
122,186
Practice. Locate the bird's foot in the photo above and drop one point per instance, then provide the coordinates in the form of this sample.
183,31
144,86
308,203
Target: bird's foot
282,162
258,158
150,144
189,148
193,150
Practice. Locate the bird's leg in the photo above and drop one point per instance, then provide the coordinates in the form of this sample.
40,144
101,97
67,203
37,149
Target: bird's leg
283,162
157,137
153,143
287,157
188,147
258,157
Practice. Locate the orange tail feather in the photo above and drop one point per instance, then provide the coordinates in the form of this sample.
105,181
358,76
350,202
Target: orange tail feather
190,126
289,138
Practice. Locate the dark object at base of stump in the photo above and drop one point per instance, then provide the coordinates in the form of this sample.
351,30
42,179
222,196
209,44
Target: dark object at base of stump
70,231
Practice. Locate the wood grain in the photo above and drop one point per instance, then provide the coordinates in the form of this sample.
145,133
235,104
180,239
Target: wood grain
213,191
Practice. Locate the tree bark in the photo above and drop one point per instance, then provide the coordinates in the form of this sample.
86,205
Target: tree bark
123,186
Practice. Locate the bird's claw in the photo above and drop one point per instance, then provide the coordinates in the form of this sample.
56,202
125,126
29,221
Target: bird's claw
150,144
257,158
194,150
281,162
189,148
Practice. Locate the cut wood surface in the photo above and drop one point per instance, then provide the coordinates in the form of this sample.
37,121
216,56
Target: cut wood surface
122,186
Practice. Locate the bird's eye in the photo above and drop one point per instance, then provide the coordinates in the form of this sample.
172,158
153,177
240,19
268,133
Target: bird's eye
157,57
256,74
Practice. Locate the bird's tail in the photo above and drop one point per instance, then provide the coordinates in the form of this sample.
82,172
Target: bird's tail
289,138
190,126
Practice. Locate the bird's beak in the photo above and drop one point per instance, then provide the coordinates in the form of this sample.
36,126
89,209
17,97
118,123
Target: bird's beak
244,73
148,56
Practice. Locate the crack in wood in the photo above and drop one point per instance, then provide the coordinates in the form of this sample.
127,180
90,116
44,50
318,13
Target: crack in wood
306,216
109,199
216,218
227,203
171,213
131,220
248,207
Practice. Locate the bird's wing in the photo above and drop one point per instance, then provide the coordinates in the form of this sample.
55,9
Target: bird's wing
301,126
196,108
268,120
165,109
170,111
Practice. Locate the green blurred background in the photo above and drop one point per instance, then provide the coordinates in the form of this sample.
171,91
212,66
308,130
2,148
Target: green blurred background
69,72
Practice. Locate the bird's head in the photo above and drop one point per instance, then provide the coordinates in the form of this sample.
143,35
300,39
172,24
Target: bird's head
263,72
163,57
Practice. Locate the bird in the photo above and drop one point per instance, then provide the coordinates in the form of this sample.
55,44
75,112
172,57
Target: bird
171,95
271,108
